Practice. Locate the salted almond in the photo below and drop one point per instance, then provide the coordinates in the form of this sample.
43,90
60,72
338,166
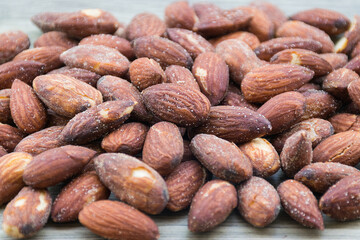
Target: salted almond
276,15
11,44
83,75
10,136
309,86
46,20
345,121
55,38
234,97
181,75
180,15
145,24
55,119
5,114
336,60
356,50
351,37
249,38
337,82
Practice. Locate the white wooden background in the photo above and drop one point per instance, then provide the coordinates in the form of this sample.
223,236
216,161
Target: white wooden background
15,14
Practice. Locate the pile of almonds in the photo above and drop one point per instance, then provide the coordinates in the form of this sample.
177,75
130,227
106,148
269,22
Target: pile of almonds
195,111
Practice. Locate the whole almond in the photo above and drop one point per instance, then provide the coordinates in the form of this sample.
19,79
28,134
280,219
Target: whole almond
83,75
265,82
10,137
354,91
178,104
342,147
211,205
121,221
212,75
27,110
234,97
336,60
12,167
163,147
41,141
276,15
145,24
162,50
5,114
56,165
183,183
345,121
249,38
300,204
54,88
27,213
145,72
354,64
96,58
341,201
55,38
259,202
240,125
224,159
46,20
320,176
12,43
79,193
263,157
309,86
283,110
132,181
303,30
337,81
25,71
97,121
180,14
351,37
182,76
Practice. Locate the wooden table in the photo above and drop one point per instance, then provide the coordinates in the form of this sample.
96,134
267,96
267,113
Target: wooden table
15,14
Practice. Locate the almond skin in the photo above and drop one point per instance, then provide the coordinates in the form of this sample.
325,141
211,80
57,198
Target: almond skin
268,81
83,75
212,204
145,24
180,75
27,213
79,193
96,58
240,125
5,114
259,202
341,201
27,110
163,147
337,82
212,75
46,20
224,159
121,221
350,38
249,38
300,204
12,43
345,121
187,107
354,91
10,137
12,167
180,15
183,183
342,147
337,60
132,181
320,176
276,15
56,165
234,97
55,38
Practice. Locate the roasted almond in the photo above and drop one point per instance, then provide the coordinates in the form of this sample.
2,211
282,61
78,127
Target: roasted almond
234,97
249,38
55,38
354,64
309,86
355,51
181,75
12,43
345,121
10,137
351,37
2,151
55,119
145,24
180,15
83,75
337,82
336,60
276,15
354,91
5,114
46,20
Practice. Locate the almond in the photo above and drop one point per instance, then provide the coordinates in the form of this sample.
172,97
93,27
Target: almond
121,221
83,75
55,119
79,193
224,159
96,58
10,137
344,122
268,81
12,43
183,183
355,51
351,37
337,81
336,60
163,147
5,114
188,156
234,97
211,205
320,176
180,15
97,121
259,202
2,151
27,213
249,38
263,157
354,91
354,64
56,165
212,75
178,104
12,167
55,38
275,14
145,24
46,20
309,86
182,76
132,181
240,124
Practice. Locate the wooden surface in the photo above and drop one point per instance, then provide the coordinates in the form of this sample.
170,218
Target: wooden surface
15,14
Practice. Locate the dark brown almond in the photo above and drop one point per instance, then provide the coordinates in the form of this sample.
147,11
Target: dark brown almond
303,30
183,183
178,104
300,203
55,119
97,121
224,159
258,202
46,20
80,192
337,82
212,204
336,60
5,114
188,156
12,43
25,71
351,37
212,75
96,58
180,15
345,121
320,176
249,38
234,97
10,137
41,141
283,110
162,50
263,157
181,75
265,82
145,24
83,75
276,15
240,124
55,38
132,181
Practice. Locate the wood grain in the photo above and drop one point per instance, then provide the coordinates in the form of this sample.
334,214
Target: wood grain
15,14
